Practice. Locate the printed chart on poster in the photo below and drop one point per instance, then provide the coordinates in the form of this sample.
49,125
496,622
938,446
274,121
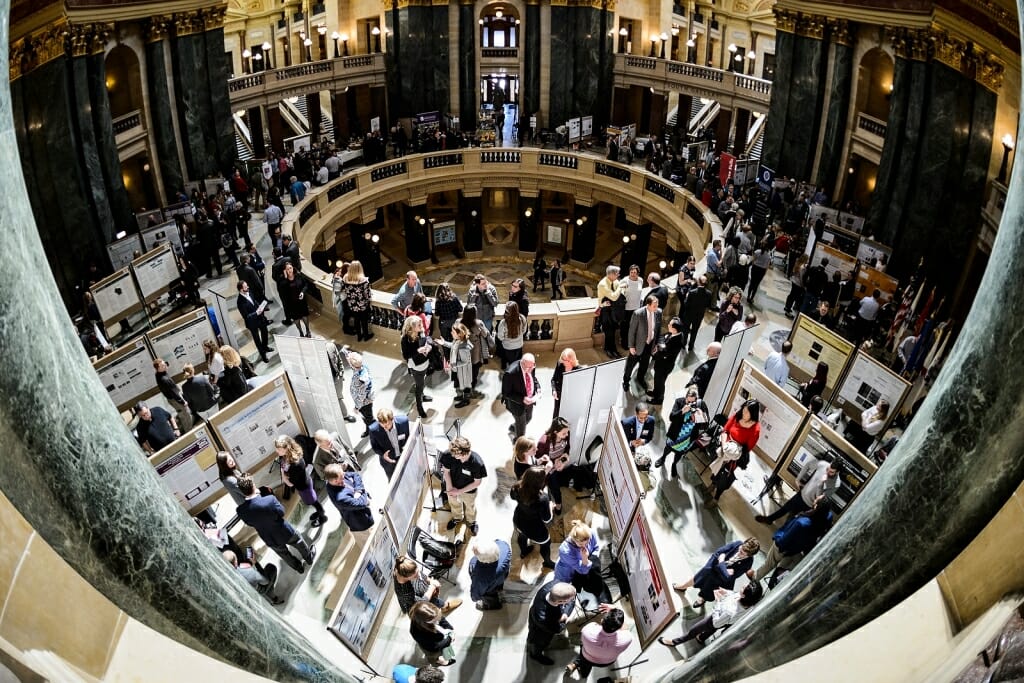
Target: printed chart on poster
127,374
816,441
164,233
247,428
365,596
865,383
781,414
181,341
122,252
309,373
155,271
406,492
188,468
619,479
651,594
116,296
814,343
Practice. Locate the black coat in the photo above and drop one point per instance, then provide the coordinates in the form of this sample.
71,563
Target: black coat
513,388
668,353
232,385
265,514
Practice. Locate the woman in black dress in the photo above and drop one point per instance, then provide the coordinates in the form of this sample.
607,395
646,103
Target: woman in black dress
816,386
296,309
232,383
534,511
567,362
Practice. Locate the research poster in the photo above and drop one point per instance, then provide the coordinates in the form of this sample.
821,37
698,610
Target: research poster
817,441
838,261
406,492
164,233
781,414
365,596
588,126
619,479
116,296
247,428
309,373
869,279
143,218
181,341
814,343
574,129
866,382
122,252
651,593
188,468
155,271
596,389
127,374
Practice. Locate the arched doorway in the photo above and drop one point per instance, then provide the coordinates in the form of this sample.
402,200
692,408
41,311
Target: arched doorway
124,81
874,84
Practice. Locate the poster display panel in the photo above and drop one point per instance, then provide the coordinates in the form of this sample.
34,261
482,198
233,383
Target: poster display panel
122,251
814,343
838,261
312,382
870,251
181,341
164,233
619,479
869,279
781,414
364,599
866,382
143,218
247,428
651,593
734,349
155,271
116,296
575,126
605,395
406,493
587,123
188,468
127,374
222,307
816,441
578,383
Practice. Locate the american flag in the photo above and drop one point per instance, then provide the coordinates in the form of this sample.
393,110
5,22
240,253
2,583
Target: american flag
899,324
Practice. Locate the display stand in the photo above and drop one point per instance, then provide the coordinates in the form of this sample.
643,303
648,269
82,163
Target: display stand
306,362
127,374
814,343
781,416
405,493
165,233
735,348
618,476
223,307
117,297
188,468
595,389
865,382
122,252
155,272
650,592
181,340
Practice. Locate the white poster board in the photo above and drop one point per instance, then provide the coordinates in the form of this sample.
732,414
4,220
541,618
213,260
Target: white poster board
300,142
838,261
127,374
866,382
181,341
222,306
619,479
402,504
781,414
814,343
309,373
869,252
588,126
188,468
595,390
116,296
164,233
247,428
155,271
122,251
580,384
735,348
363,601
143,218
375,124
575,127
650,591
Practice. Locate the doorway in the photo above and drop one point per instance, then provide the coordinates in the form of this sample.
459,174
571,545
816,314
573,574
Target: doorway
499,89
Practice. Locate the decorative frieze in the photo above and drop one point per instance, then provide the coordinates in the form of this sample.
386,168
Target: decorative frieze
839,32
914,44
785,20
157,28
950,50
990,71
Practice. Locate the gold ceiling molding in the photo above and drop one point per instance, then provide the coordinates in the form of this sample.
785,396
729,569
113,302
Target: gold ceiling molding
810,26
839,32
990,71
213,17
909,43
999,14
157,28
950,50
188,23
38,48
16,58
81,37
785,20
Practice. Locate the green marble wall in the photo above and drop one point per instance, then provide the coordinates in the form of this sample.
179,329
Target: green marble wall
195,115
580,60
160,117
467,67
531,66
418,76
217,73
836,115
88,151
102,122
804,113
778,108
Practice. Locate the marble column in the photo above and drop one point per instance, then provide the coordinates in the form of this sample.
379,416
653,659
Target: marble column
584,237
471,213
92,170
259,138
195,118
160,114
417,235
275,128
468,31
803,117
72,469
957,464
838,109
740,130
531,59
421,80
682,120
107,144
723,124
560,81
218,70
528,225
778,108
313,116
339,113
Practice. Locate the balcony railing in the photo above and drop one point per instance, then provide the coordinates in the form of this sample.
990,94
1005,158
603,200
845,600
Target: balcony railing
123,124
499,53
272,86
871,125
729,88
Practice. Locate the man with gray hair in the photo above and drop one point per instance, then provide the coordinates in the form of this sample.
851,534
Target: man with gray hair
612,311
488,570
409,288
702,373
549,614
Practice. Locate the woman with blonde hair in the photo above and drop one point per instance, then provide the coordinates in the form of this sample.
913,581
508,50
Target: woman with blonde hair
578,562
416,351
567,362
295,476
356,288
232,383
214,361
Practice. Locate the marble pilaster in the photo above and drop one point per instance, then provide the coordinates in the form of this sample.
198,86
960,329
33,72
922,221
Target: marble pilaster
836,115
417,235
217,73
422,79
531,66
472,225
899,148
161,117
560,39
92,171
778,108
195,118
467,67
803,116
107,145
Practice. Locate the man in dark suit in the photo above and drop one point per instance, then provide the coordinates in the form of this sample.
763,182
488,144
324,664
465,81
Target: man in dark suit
520,389
265,514
388,436
702,374
290,248
697,302
657,290
346,490
665,357
255,321
639,428
644,326
247,273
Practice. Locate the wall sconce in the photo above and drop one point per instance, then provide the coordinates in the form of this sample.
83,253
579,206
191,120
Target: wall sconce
654,39
692,41
309,52
622,40
732,47
336,37
662,264
473,213
246,54
267,47
675,31
625,239
376,38
664,39
344,45
257,62
375,239
579,222
321,29
528,212
1007,148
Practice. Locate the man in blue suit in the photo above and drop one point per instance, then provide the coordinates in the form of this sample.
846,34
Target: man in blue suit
388,436
265,514
346,490
640,427
255,321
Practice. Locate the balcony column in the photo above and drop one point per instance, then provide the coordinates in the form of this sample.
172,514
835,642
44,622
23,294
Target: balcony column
659,112
806,98
196,124
468,42
528,224
259,144
723,124
275,126
471,218
161,108
339,113
635,252
679,134
313,116
834,127
417,233
530,30
740,130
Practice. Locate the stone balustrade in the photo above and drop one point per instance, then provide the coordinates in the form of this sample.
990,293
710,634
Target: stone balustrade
730,89
271,86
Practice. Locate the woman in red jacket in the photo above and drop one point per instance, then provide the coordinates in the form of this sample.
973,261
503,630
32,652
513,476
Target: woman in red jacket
739,437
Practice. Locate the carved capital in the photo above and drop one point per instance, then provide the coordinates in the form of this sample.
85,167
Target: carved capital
50,43
810,26
81,35
187,23
785,20
908,43
16,58
839,32
950,50
213,17
99,34
989,71
157,28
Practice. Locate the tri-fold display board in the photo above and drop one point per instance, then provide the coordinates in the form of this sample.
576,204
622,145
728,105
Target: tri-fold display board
865,383
309,372
594,390
188,468
781,415
123,251
814,343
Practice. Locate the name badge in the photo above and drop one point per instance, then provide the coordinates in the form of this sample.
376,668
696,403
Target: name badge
468,473
401,437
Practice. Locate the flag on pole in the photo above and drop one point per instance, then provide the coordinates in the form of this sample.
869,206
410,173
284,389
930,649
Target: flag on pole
925,311
905,314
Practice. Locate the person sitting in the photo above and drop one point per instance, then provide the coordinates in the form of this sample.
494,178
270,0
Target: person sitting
261,579
412,586
488,570
729,606
722,569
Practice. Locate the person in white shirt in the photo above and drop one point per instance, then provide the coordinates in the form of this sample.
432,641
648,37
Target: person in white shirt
630,287
321,176
728,607
818,480
867,312
872,421
776,366
749,321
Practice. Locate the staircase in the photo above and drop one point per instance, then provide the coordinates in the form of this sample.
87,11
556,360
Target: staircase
755,139
302,116
243,138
